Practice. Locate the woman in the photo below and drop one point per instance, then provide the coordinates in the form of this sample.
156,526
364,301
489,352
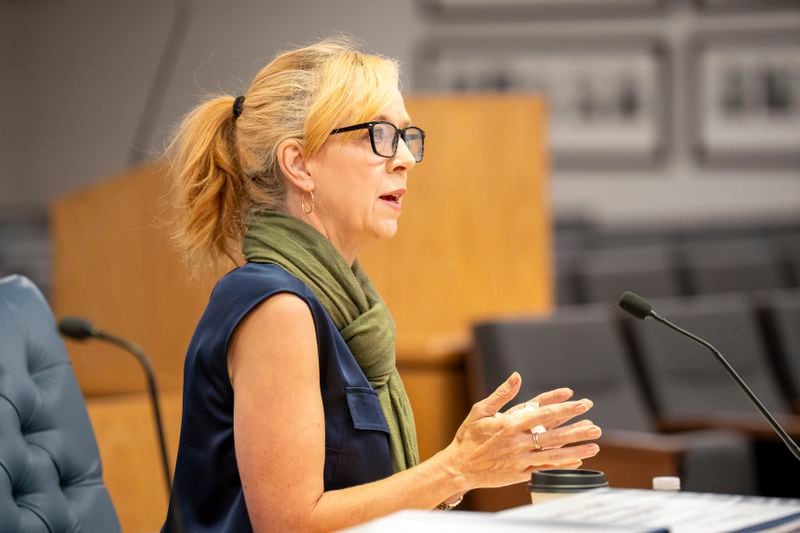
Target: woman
295,417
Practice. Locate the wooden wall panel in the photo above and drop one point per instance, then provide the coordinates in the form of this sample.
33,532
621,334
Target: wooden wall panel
126,437
114,264
438,398
474,236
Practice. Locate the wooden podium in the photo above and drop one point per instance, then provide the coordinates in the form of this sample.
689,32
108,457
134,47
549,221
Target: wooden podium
474,242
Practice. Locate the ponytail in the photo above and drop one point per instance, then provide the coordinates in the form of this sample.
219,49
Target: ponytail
209,183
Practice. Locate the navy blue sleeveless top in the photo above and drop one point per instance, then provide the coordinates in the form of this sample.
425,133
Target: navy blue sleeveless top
207,490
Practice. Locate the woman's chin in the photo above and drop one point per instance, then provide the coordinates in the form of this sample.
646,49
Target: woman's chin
386,229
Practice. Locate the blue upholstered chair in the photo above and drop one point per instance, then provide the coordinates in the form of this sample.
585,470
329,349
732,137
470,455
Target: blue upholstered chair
50,473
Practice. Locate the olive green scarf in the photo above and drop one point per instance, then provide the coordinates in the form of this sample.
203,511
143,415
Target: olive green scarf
354,305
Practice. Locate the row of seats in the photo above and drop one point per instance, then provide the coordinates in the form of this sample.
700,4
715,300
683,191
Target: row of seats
640,372
586,234
25,249
601,350
678,269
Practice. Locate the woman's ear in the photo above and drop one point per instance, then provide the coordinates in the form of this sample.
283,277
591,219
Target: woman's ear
293,163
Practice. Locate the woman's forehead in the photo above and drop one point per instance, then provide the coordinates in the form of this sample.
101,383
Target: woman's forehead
395,112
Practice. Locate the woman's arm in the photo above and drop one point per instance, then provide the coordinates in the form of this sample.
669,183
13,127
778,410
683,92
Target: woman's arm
279,430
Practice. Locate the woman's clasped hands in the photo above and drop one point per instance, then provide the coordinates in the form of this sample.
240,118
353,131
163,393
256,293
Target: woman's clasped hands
494,449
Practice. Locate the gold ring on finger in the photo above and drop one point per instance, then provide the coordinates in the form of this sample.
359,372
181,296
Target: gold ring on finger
536,446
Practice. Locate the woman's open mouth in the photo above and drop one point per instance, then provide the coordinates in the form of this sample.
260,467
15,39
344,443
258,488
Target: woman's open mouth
393,198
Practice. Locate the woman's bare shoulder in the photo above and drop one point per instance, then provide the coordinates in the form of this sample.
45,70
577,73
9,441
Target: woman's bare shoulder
280,330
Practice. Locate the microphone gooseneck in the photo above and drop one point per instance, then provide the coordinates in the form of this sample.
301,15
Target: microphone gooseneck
81,329
640,308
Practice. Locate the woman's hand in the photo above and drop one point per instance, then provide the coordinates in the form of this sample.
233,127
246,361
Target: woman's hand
493,449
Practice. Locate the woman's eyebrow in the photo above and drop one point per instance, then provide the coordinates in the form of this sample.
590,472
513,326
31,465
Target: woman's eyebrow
405,122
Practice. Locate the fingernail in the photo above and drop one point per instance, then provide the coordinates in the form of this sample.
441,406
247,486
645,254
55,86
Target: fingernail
513,378
583,406
592,449
595,432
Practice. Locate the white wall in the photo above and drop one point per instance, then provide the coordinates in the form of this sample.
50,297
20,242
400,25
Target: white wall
75,75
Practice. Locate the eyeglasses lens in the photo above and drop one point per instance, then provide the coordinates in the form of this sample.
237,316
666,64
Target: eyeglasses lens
414,139
385,137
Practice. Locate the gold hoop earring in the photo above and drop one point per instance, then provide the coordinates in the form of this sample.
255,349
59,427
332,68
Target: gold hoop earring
303,202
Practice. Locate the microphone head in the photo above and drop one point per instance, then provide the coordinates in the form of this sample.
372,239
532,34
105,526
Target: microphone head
635,305
76,328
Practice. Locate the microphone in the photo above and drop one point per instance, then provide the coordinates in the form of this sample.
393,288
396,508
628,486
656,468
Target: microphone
81,329
637,306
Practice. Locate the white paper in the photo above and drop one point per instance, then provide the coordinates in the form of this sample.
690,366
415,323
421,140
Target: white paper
472,522
681,512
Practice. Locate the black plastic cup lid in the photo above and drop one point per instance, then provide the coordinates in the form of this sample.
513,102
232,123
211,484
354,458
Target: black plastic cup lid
566,480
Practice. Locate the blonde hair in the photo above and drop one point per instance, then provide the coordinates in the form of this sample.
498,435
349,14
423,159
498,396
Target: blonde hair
224,166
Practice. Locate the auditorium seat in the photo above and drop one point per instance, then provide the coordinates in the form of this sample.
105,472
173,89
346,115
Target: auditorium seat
781,311
631,236
788,250
565,280
50,473
733,265
25,249
577,344
729,230
646,270
581,347
685,378
692,390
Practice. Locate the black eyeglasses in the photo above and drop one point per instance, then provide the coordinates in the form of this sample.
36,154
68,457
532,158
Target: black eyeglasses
384,138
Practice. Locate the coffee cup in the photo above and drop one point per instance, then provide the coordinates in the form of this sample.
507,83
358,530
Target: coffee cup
546,485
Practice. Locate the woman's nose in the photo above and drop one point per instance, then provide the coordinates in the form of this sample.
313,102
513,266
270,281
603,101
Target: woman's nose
402,160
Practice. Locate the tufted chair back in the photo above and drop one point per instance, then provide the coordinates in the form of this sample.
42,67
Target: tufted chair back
50,474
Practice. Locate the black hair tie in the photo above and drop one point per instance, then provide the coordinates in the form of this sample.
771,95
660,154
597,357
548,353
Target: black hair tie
238,106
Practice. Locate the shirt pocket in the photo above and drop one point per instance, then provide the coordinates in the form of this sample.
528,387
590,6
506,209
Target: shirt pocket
365,409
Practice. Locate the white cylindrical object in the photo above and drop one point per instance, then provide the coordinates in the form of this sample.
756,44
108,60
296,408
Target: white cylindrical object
533,405
666,483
